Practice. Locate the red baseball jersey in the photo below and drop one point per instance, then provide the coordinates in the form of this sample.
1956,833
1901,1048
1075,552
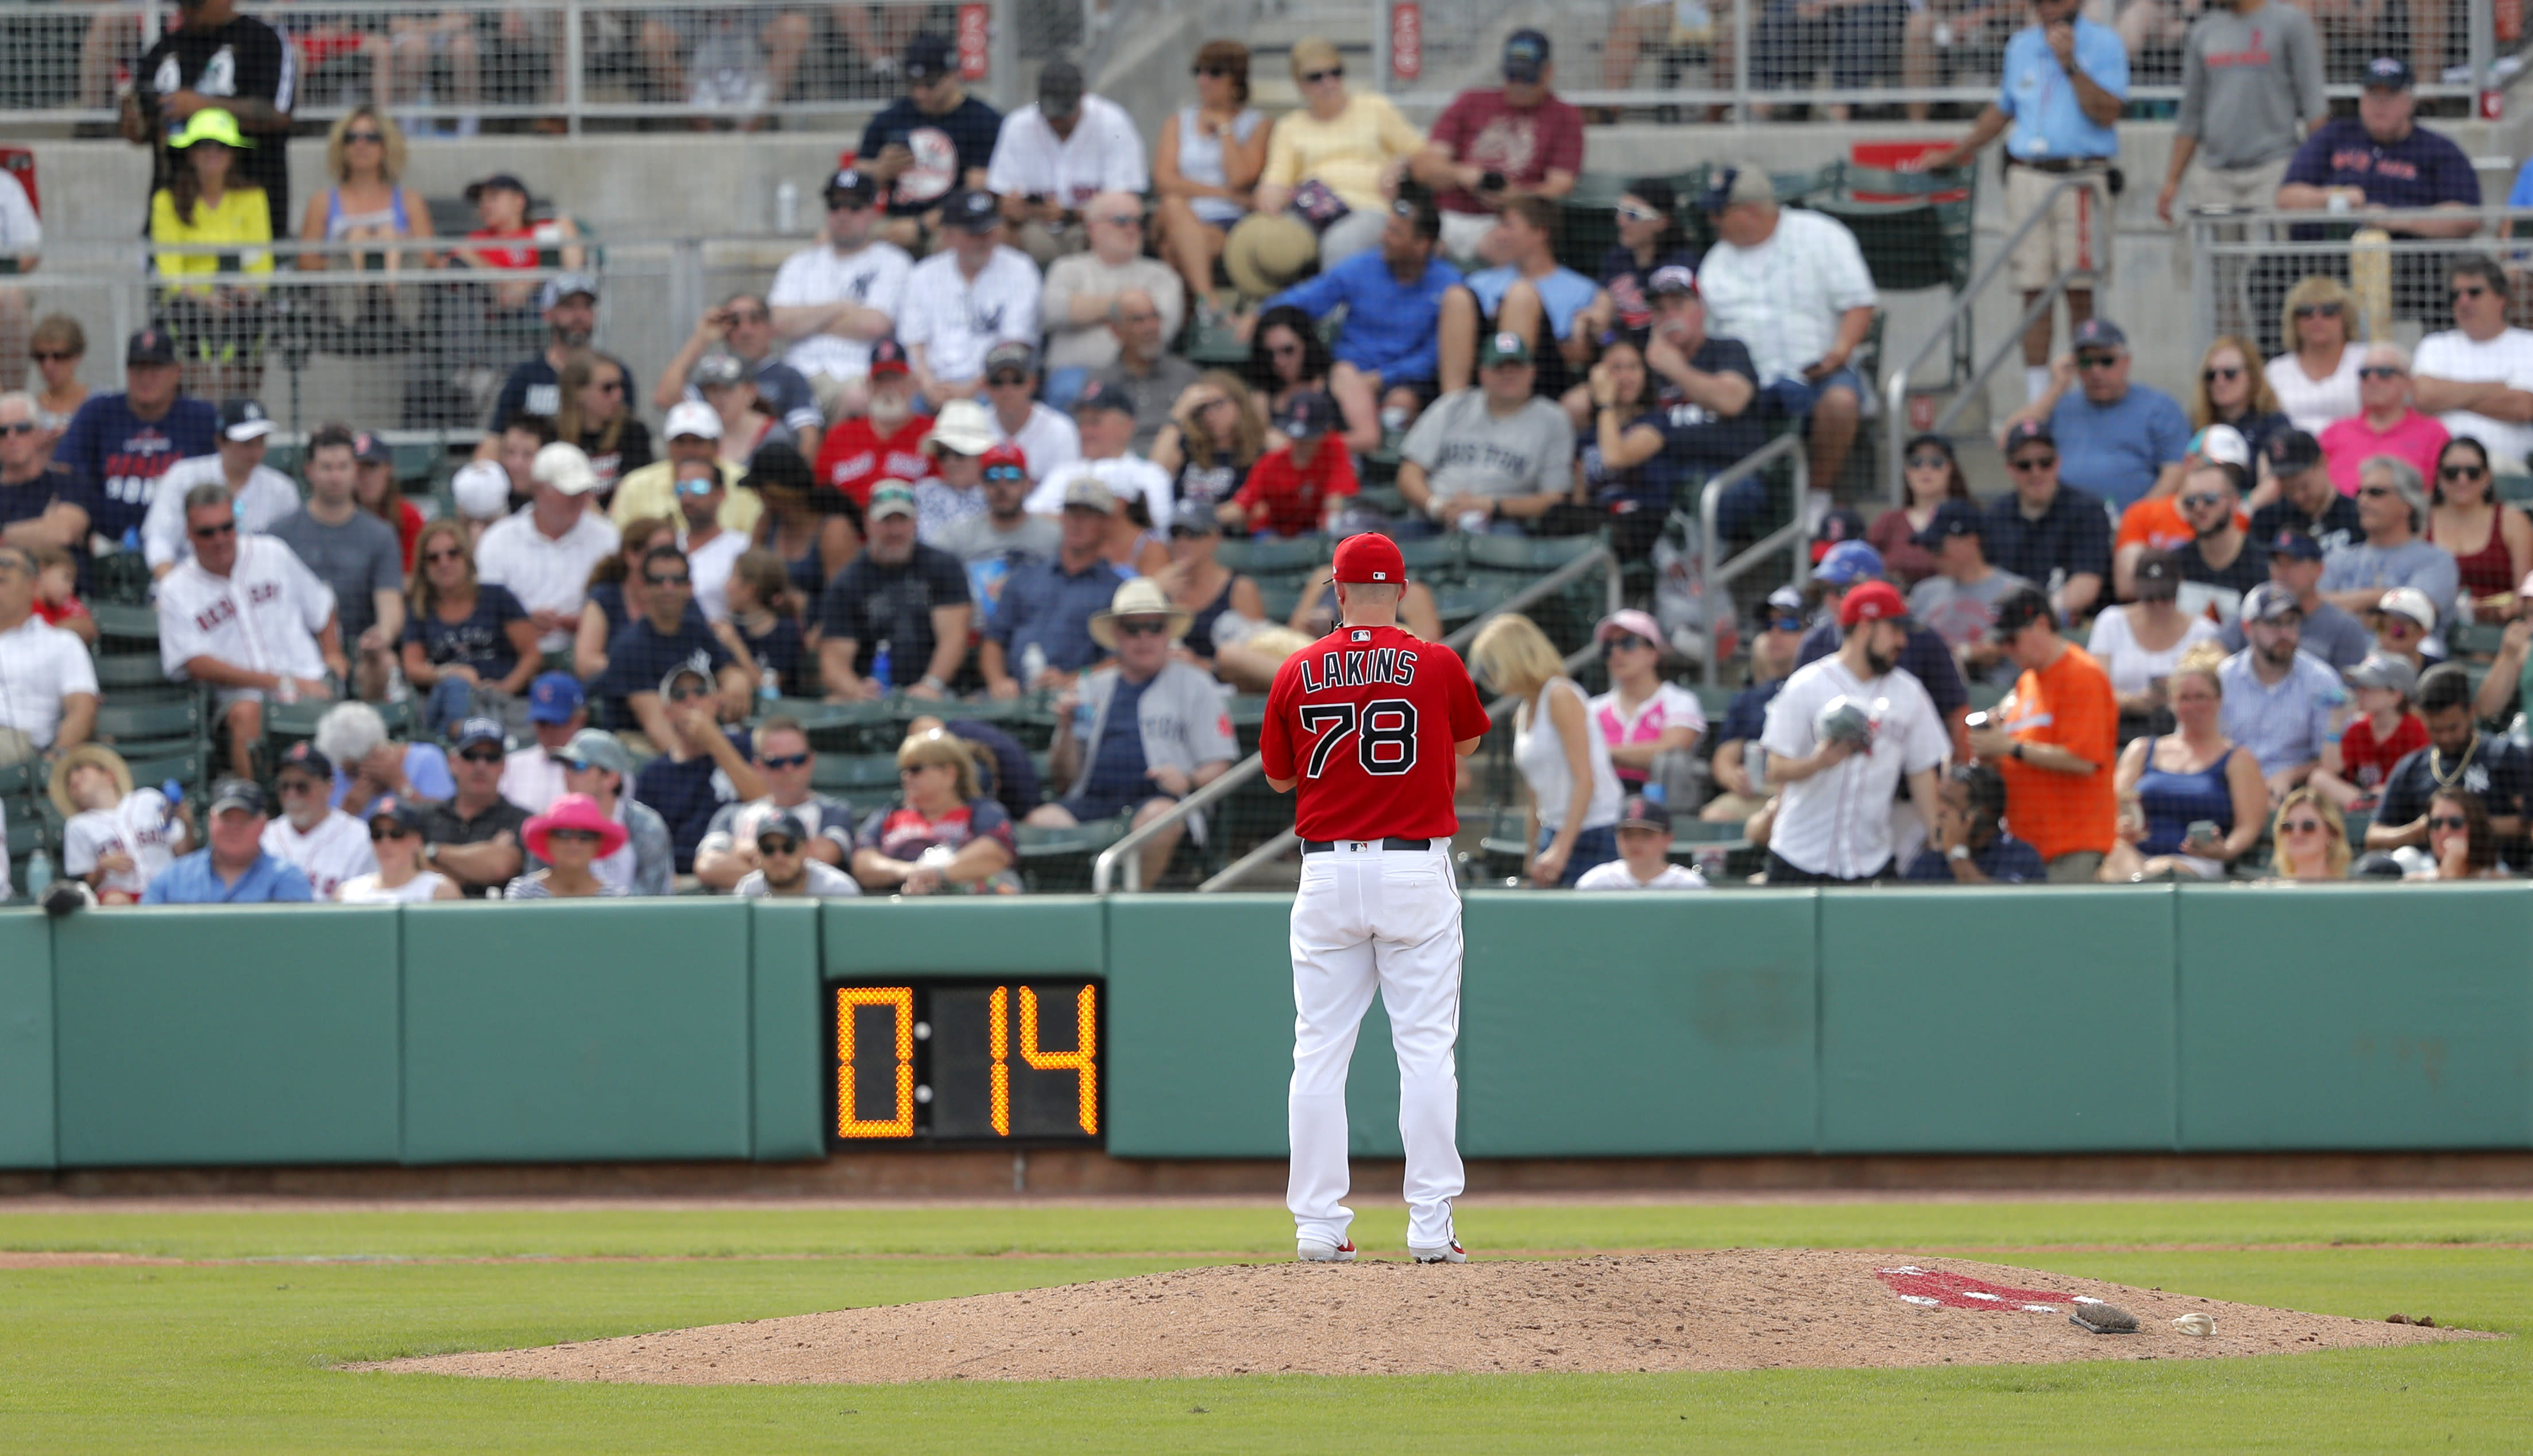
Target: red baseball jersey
1366,719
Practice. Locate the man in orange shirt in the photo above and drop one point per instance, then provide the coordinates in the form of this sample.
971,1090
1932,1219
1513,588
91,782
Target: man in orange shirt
2056,739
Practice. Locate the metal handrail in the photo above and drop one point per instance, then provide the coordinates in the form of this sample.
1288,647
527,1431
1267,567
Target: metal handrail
1720,571
1105,866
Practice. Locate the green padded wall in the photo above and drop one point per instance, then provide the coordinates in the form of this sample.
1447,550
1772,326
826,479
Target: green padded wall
226,1036
2007,1020
2328,1019
789,1064
1637,1025
963,935
26,1040
1200,1027
594,1030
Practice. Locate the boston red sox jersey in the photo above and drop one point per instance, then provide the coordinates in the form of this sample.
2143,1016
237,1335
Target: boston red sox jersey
1366,719
264,616
336,850
139,828
1837,821
958,319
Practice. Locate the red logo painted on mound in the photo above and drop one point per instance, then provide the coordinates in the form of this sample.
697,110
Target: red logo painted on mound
1939,1290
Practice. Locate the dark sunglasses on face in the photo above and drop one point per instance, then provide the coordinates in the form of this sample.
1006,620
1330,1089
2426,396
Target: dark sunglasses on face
1143,629
389,831
2303,826
611,386
2372,493
2199,501
2096,361
1629,641
679,580
1005,474
1314,78
571,764
787,761
208,533
481,756
2317,311
1928,461
1125,219
2221,371
2380,372
18,427
2471,290
1214,70
687,694
2035,462
850,204
571,836
1184,531
2460,472
777,845
1786,623
51,356
908,771
1007,381
2448,821
446,556
373,137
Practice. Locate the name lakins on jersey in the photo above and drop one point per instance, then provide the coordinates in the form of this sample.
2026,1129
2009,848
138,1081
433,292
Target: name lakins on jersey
1392,664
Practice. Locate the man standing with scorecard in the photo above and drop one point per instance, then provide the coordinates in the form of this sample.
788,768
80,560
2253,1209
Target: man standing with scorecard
1369,721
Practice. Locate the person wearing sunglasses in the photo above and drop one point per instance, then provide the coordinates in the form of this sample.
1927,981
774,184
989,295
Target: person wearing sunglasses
694,430
219,59
2191,801
1135,737
2220,552
1651,723
2477,377
569,839
1649,240
1385,359
2119,440
834,299
942,835
1205,164
742,327
1053,158
2234,392
328,845
2316,378
728,387
701,766
973,294
668,635
35,505
1146,375
2464,510
2388,424
1046,435
2310,838
2378,160
245,617
1087,298
469,647
2044,530
823,826
1491,145
366,202
1336,161
401,877
2461,839
596,766
786,869
2457,756
2392,509
1933,477
58,347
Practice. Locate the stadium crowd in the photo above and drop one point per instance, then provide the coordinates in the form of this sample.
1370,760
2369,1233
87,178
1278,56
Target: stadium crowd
955,451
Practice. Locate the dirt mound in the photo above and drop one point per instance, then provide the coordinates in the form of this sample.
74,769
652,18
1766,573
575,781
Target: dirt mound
1730,1309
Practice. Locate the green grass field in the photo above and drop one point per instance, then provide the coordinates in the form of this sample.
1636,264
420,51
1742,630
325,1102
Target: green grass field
236,1354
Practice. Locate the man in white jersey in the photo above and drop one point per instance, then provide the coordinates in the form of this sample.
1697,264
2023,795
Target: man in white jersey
328,845
1834,773
247,617
833,300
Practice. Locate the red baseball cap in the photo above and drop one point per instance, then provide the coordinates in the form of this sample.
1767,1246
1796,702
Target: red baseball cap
1874,600
1370,557
1004,453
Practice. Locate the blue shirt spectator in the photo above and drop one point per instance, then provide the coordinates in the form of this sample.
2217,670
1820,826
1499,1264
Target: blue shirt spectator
2072,535
1563,291
1390,325
688,793
2039,98
115,459
1047,605
2116,449
191,881
641,656
2421,168
2284,724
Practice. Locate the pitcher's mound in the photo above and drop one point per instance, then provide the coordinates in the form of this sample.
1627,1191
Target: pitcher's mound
1728,1310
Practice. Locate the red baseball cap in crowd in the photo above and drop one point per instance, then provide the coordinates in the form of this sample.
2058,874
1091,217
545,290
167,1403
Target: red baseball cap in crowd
1873,602
888,357
1370,557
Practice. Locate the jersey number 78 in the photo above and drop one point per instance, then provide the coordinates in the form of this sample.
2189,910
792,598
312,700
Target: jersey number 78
1385,744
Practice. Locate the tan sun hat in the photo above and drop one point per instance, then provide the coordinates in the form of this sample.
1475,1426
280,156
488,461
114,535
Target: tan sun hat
59,787
1142,596
1267,255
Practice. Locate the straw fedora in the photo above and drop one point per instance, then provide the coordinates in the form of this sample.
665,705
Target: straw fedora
59,787
1142,596
572,811
1269,253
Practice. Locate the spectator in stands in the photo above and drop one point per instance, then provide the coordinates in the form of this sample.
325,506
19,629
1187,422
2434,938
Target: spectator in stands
1652,725
1845,731
955,491
2159,522
1046,436
1847,565
1488,458
263,495
37,503
21,241
617,595
395,829
2118,441
2192,801
900,601
119,445
1105,417
470,831
1648,440
568,304
2388,424
221,60
1933,477
2457,755
928,144
1385,363
962,301
204,204
1206,591
58,347
246,617
571,838
1793,288
2223,557
2311,837
730,393
2304,499
883,442
1054,158
941,837
597,416
375,489
1040,636
2141,642
328,845
2404,622
1354,146
785,868
357,557
1530,294
469,647
835,299
666,636
2233,390
2328,633
1286,354
508,240
1004,536
2476,378
2047,532
1649,240
1214,439
2054,738
2280,704
369,765
1562,754
2250,89
784,764
597,767
2462,841
234,868
558,710
2380,159
1205,164
703,505
1088,294
738,59
811,543
1301,485
701,768
115,836
1959,602
57,600
2316,380
48,691
2466,509
1644,853
2392,509
365,200
2064,84
1966,841
521,439
1490,146
1146,375
1739,790
544,552
765,615
2380,734
1004,773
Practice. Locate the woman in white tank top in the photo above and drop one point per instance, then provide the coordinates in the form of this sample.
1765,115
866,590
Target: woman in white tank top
1204,164
1574,790
395,836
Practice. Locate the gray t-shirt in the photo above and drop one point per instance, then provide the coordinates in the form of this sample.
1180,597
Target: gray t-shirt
2247,81
980,538
360,557
1467,451
1962,612
1153,394
2413,564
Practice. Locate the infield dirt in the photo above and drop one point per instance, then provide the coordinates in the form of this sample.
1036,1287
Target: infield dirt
1711,1310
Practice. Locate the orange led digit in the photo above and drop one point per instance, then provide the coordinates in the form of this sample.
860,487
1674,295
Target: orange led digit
901,1000
998,1030
1080,1061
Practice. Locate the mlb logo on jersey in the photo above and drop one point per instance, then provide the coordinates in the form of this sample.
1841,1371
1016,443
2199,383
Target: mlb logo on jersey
1361,635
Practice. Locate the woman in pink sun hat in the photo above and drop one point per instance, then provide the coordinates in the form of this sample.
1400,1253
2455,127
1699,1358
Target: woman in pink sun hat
571,837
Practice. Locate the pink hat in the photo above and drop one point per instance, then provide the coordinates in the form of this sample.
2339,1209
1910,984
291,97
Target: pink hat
572,811
1628,622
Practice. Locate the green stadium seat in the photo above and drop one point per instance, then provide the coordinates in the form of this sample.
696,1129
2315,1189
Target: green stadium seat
124,727
2478,639
125,623
2514,489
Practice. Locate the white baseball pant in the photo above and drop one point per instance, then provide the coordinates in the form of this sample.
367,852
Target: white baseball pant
1366,917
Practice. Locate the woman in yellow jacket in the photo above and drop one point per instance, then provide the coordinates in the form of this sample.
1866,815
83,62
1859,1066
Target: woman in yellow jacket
220,327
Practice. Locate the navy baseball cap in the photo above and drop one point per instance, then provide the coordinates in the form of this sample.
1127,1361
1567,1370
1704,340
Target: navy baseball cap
2292,452
1952,518
2295,544
2021,609
565,285
2029,433
1308,415
371,449
479,730
497,181
1525,56
1100,395
237,793
554,697
1059,88
785,826
152,345
888,357
1673,278
1641,811
303,756
1838,526
851,185
2388,73
405,813
972,210
926,56
2097,333
243,419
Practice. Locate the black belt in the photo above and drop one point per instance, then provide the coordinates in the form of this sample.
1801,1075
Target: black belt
1324,847
2057,163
